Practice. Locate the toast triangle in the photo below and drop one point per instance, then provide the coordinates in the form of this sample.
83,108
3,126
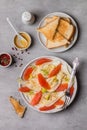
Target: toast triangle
49,29
58,41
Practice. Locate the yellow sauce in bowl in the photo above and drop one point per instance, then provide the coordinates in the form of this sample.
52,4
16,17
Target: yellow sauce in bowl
22,44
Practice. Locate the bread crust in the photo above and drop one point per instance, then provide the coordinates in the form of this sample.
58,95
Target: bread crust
19,109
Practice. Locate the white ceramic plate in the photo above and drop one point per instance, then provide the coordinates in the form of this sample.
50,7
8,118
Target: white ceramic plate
75,84
42,38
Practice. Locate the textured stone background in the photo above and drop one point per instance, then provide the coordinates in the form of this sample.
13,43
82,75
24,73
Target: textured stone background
75,117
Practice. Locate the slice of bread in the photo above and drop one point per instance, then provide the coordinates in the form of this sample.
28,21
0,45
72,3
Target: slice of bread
66,19
66,29
50,19
19,109
49,29
58,41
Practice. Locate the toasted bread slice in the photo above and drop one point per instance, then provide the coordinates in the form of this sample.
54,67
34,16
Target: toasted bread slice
49,29
66,19
50,19
66,29
19,109
58,41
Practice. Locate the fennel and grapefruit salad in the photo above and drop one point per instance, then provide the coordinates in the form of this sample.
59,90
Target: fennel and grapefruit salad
43,83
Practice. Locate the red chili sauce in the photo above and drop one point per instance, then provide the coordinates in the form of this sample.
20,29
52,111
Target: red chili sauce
4,59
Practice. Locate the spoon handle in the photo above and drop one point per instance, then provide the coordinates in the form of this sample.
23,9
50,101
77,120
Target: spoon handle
8,20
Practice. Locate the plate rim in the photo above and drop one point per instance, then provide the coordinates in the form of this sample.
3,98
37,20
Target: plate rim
75,37
53,110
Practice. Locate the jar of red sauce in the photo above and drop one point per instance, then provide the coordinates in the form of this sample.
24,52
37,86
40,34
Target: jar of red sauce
5,59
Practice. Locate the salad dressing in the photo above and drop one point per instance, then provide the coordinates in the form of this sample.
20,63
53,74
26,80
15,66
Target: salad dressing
22,43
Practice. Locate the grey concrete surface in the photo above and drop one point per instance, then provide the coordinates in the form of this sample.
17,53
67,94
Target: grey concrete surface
75,117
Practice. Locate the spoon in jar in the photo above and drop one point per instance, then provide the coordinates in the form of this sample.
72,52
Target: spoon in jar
21,40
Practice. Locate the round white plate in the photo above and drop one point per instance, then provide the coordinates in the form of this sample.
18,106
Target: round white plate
42,38
56,109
